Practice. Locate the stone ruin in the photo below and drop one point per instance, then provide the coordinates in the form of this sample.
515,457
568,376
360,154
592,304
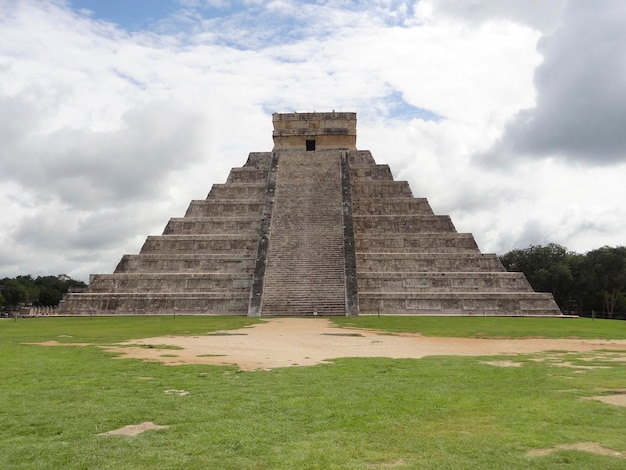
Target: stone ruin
314,227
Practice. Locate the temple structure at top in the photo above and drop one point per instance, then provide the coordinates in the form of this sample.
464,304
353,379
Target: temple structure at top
314,227
314,131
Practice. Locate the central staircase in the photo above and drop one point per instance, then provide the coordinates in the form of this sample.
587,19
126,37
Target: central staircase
306,264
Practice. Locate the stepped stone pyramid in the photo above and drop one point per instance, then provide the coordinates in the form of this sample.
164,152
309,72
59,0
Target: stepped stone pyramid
314,227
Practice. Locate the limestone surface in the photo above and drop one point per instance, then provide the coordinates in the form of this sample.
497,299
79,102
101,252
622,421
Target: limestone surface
315,227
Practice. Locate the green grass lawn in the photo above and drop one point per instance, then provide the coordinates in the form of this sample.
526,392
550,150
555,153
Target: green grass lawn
431,413
492,327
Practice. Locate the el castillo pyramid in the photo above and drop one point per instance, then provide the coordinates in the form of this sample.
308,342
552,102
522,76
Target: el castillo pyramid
314,227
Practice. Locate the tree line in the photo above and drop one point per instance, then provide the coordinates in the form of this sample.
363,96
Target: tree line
580,283
42,291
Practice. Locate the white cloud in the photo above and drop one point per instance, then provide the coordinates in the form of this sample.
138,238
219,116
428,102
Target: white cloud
580,114
539,14
106,133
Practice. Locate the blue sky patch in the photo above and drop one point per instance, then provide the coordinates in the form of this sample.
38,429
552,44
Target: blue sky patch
258,23
135,15
132,15
398,108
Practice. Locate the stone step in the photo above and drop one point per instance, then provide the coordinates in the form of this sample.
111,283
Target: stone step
459,303
224,208
369,171
304,267
299,293
402,223
427,262
361,157
379,189
427,242
185,263
229,243
307,306
247,175
246,224
237,191
162,303
170,282
305,310
260,160
392,206
308,268
442,282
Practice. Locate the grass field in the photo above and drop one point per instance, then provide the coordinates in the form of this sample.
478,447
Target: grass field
431,413
492,327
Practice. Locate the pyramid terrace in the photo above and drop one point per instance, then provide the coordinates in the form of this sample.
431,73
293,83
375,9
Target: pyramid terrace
314,227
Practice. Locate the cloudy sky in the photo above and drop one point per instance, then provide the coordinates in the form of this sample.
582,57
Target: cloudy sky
509,115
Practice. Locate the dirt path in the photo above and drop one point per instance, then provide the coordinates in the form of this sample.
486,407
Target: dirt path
284,342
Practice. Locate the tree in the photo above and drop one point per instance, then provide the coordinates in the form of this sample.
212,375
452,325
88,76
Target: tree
593,281
42,291
14,292
605,276
50,290
547,268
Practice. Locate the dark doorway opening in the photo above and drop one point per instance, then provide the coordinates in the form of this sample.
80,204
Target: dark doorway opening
310,145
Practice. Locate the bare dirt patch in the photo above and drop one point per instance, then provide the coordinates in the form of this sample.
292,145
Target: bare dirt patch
558,359
133,429
181,393
397,463
285,342
502,363
591,447
56,343
606,357
618,399
576,366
